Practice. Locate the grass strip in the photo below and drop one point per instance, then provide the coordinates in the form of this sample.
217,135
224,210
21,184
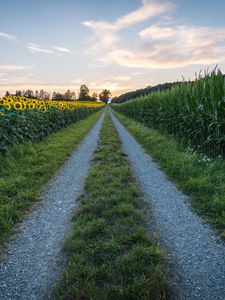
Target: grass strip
27,167
110,254
201,178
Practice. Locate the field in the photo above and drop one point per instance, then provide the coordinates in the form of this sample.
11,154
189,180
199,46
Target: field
23,119
128,173
194,112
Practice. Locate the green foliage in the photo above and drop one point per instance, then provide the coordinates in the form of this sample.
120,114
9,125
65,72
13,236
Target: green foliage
201,178
105,95
110,255
21,126
25,168
192,111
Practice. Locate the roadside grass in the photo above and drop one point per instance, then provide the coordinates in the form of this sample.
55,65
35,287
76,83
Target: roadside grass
26,168
110,255
202,179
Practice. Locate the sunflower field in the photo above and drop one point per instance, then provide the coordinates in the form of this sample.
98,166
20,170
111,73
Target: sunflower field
194,112
23,119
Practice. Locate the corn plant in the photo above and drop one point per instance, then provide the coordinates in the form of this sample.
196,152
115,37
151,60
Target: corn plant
192,111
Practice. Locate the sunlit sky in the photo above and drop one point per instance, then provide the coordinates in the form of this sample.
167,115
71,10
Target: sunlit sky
121,45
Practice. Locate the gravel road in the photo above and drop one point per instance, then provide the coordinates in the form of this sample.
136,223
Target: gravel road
198,254
34,260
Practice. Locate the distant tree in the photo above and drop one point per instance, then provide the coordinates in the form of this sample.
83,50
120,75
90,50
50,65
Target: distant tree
47,95
84,93
95,96
28,94
58,96
37,95
7,93
105,95
70,96
42,95
18,93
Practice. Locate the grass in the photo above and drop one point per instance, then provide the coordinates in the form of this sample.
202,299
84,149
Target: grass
110,255
202,179
27,167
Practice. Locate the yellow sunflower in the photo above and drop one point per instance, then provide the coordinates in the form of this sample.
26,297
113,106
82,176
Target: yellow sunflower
31,106
2,101
18,105
43,109
8,106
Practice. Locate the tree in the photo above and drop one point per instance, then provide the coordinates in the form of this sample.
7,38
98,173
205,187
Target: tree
105,95
36,94
58,96
18,93
7,93
28,94
84,92
70,96
95,96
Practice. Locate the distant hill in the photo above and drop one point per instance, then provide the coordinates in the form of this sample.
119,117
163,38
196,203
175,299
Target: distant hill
143,92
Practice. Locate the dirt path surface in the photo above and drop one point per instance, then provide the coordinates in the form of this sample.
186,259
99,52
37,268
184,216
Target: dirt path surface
34,260
199,255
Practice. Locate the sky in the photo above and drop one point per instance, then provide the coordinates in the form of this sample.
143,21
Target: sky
121,45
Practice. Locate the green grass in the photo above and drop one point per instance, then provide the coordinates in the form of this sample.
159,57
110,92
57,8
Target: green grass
201,179
110,255
27,167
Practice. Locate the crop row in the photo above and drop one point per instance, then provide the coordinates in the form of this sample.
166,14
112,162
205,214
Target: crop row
192,111
23,119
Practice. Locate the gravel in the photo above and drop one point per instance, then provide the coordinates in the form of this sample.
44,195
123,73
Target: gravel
198,254
34,261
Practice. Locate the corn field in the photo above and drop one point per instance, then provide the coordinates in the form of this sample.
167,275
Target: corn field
192,111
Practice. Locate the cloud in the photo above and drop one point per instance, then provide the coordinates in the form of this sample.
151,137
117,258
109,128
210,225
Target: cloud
106,33
159,46
121,78
148,10
35,48
61,49
14,67
7,36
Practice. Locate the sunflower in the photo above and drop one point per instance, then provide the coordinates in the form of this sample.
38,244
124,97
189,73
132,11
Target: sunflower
2,101
8,106
9,100
43,109
24,106
31,106
18,105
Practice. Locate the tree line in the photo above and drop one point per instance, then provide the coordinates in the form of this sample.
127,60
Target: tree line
144,92
84,95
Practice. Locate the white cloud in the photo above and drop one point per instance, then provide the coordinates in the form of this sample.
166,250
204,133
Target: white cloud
149,9
7,36
136,73
35,48
78,81
121,78
162,45
14,67
61,49
106,33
